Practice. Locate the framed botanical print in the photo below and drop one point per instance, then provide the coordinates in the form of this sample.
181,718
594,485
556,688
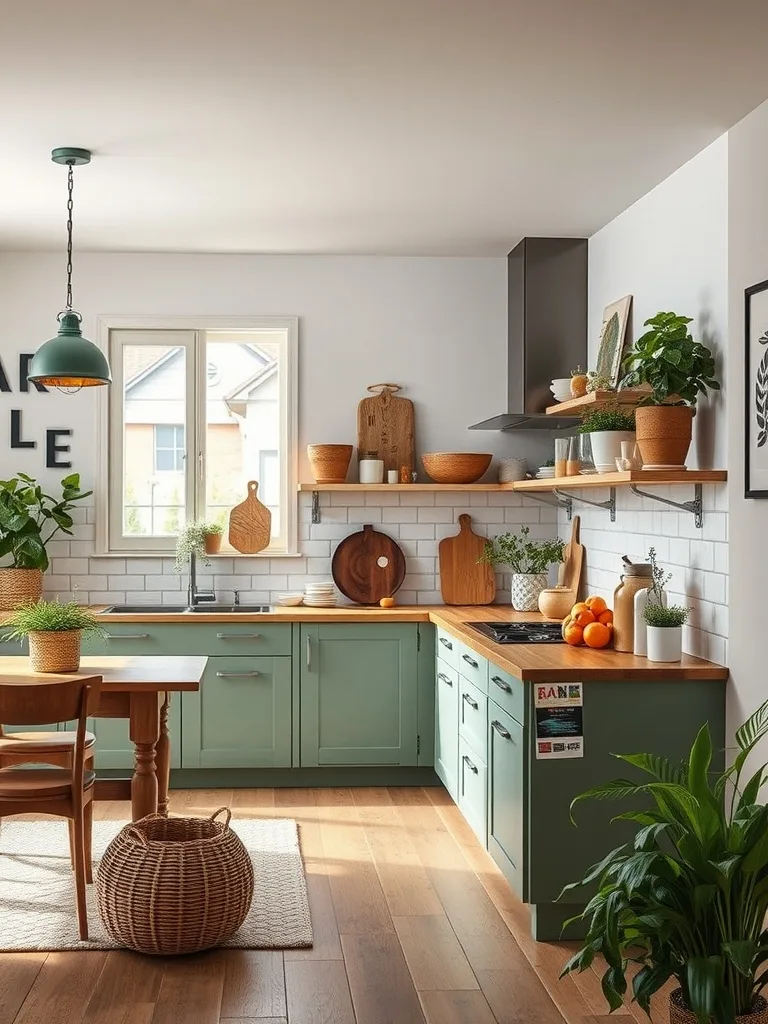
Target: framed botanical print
756,396
611,343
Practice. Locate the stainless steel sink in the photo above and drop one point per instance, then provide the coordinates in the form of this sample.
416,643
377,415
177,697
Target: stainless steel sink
174,609
249,609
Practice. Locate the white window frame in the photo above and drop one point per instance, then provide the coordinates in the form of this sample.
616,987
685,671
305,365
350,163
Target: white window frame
109,539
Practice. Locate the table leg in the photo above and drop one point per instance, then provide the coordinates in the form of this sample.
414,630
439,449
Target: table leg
145,732
163,758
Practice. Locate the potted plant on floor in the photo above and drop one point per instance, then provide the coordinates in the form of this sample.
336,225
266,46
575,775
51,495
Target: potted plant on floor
529,561
55,633
607,428
687,899
677,369
26,512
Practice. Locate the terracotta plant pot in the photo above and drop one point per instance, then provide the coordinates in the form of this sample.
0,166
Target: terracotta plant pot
329,462
55,651
19,586
680,1014
664,434
212,543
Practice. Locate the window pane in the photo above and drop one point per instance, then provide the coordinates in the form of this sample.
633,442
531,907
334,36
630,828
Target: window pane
154,396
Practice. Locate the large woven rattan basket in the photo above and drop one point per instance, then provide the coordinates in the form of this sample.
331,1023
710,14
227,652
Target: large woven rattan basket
679,1014
174,885
18,586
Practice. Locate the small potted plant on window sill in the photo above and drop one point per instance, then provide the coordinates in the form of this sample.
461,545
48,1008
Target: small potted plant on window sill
201,539
607,428
55,633
677,369
212,534
529,561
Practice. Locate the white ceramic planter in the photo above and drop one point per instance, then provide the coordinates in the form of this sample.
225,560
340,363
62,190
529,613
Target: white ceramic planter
606,448
526,588
665,643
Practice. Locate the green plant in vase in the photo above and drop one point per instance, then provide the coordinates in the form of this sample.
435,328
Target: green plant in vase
201,539
529,562
54,631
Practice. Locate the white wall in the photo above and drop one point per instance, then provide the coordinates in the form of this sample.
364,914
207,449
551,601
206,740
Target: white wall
669,251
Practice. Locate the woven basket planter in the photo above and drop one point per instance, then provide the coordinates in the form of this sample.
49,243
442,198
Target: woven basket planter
19,586
329,462
55,651
174,885
679,1014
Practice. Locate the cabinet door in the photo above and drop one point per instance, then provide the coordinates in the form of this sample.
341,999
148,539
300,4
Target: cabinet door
447,725
359,694
472,790
240,717
506,796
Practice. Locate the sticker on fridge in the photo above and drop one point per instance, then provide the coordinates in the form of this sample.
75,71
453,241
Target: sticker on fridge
559,711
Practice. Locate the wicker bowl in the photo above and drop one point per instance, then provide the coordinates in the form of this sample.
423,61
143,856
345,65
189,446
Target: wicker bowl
455,467
329,462
174,885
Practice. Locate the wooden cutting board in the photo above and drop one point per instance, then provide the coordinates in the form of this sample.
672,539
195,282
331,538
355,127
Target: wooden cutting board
385,426
250,523
573,561
462,579
368,566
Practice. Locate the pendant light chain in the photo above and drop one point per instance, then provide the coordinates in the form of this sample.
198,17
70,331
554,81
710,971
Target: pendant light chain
70,207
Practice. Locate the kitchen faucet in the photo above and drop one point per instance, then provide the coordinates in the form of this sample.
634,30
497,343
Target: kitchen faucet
197,597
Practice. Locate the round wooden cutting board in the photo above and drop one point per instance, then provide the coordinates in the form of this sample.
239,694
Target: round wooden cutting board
368,566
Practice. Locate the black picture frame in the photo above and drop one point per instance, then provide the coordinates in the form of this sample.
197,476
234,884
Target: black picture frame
755,388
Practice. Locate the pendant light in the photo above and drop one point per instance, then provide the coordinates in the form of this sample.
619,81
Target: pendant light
69,362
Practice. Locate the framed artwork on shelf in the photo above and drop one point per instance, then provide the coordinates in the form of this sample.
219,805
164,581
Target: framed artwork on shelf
756,391
612,335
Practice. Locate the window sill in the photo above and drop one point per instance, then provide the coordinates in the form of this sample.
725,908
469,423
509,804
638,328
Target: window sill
172,554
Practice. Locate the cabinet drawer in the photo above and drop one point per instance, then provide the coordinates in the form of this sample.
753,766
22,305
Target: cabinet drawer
473,667
506,797
507,691
447,647
445,674
472,790
268,639
473,717
447,726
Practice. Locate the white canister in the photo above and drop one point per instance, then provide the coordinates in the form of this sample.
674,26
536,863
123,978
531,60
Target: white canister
371,470
642,600
392,476
511,469
665,643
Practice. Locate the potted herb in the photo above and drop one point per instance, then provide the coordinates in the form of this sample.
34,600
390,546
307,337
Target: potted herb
529,561
201,539
687,899
212,534
26,513
55,632
607,429
677,369
664,629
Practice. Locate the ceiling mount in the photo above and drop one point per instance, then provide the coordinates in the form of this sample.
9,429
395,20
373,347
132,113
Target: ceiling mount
71,156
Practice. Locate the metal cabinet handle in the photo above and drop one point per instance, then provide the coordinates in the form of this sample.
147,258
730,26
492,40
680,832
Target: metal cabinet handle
470,661
446,643
126,636
445,678
501,684
468,763
237,675
501,730
472,703
238,636
309,652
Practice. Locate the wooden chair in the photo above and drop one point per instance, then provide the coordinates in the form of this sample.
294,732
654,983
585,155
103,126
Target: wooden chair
65,791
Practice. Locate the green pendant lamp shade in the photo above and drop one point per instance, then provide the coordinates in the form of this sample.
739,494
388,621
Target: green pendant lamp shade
69,361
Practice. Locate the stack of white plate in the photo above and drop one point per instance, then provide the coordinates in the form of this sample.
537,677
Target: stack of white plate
320,595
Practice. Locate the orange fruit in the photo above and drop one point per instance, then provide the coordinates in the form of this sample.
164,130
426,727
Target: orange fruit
596,605
573,634
584,618
580,606
596,634
605,617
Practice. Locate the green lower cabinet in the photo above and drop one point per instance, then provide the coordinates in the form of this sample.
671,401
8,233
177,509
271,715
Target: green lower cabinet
472,785
506,796
447,726
241,716
359,694
113,742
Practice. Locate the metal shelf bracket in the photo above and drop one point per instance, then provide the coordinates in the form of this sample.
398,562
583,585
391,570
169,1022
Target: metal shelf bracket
609,505
315,506
564,501
695,507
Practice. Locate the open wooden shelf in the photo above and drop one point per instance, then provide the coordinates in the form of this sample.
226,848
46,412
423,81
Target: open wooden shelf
627,398
406,487
632,476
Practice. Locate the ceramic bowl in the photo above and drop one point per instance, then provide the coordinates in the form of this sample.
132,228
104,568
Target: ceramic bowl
290,600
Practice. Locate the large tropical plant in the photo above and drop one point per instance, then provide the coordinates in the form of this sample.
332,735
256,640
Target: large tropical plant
687,899
668,359
27,512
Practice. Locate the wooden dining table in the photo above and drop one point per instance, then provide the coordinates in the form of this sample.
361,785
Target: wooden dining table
139,689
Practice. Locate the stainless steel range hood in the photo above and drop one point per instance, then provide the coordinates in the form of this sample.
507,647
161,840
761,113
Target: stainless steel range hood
547,329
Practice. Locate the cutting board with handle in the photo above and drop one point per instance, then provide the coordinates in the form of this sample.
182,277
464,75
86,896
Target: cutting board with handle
572,567
385,426
367,566
250,523
462,579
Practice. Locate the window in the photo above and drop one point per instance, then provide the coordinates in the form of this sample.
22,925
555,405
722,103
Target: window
195,411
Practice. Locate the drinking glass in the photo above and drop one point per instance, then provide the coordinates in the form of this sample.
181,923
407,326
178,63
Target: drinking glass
561,456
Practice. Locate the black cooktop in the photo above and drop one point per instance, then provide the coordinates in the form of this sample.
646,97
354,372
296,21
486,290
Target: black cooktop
520,632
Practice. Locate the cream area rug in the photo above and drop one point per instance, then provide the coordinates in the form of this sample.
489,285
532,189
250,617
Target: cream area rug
37,887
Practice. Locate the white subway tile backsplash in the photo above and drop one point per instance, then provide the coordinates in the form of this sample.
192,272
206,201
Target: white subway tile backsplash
59,584
126,582
419,498
399,515
363,514
436,515
153,584
381,499
417,531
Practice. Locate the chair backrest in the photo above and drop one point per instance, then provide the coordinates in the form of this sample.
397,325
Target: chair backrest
40,703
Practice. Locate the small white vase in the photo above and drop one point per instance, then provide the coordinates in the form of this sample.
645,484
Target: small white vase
643,598
526,588
665,643
606,448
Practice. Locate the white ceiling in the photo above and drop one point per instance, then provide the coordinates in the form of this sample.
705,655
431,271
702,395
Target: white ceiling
351,126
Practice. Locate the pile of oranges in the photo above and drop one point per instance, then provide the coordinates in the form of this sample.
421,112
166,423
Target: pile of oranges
590,622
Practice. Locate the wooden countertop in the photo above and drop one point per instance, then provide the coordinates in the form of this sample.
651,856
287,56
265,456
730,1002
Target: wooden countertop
120,674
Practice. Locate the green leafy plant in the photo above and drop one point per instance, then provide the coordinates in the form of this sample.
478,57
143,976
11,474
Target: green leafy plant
668,359
50,617
606,419
659,577
548,462
212,529
26,512
687,899
599,382
191,540
657,615
523,556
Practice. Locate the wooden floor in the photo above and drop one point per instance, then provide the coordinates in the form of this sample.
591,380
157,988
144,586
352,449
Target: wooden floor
413,924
